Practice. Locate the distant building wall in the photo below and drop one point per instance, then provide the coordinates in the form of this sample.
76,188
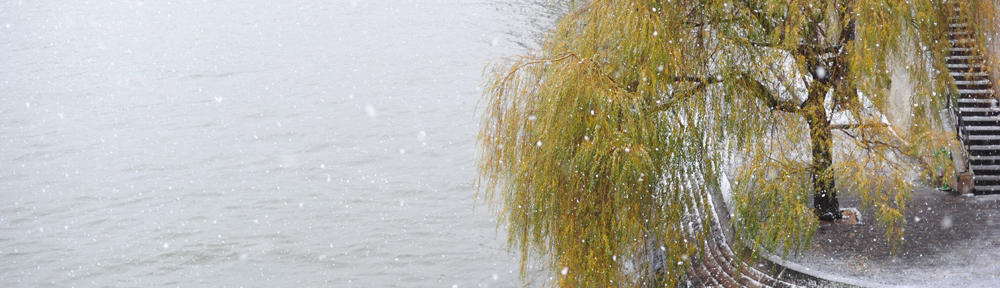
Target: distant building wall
992,26
899,107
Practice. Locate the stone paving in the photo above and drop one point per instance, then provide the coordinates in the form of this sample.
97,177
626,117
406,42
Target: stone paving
950,241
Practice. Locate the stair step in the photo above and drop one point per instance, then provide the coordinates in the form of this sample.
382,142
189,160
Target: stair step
994,115
986,178
958,25
981,128
983,161
967,74
958,57
985,181
963,78
963,62
972,82
986,172
980,119
974,86
960,52
985,167
963,58
975,91
976,100
980,111
984,148
978,114
985,158
983,110
986,188
983,137
964,65
977,105
987,152
960,40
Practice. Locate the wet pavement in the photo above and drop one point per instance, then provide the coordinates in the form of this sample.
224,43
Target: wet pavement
950,241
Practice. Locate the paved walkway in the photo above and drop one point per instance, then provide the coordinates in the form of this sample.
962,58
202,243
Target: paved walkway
950,241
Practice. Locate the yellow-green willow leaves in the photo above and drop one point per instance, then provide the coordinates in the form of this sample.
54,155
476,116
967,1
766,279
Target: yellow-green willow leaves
602,152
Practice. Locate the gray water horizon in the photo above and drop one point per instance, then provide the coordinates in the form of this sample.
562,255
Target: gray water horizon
251,143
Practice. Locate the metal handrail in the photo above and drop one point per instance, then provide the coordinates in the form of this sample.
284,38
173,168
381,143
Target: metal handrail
952,103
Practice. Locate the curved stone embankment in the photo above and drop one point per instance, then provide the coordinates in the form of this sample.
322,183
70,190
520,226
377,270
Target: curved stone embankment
718,266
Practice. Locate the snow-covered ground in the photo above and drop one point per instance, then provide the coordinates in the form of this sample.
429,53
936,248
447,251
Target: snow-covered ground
950,241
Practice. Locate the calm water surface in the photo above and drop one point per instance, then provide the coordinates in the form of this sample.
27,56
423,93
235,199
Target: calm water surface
250,143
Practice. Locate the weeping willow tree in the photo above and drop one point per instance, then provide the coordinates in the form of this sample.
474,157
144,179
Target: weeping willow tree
602,150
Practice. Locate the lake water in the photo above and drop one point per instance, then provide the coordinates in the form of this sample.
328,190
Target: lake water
294,143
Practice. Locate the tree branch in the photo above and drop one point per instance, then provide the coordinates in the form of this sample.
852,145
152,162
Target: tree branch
759,91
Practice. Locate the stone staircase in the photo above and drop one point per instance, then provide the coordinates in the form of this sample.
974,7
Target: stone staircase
976,110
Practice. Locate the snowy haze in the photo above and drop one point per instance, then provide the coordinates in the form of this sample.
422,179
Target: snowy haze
249,143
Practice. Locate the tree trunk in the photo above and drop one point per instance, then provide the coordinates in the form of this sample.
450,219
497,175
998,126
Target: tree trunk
824,194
